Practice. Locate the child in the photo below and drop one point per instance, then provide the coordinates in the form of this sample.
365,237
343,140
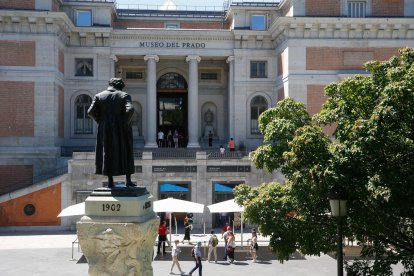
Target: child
174,253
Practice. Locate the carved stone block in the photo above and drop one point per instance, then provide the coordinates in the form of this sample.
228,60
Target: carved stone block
113,248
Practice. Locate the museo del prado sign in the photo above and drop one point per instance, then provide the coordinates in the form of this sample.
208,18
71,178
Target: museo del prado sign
171,44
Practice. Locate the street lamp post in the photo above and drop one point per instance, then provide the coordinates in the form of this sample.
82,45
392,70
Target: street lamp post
338,200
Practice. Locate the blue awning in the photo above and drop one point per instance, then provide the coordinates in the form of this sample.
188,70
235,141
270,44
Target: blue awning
172,188
221,188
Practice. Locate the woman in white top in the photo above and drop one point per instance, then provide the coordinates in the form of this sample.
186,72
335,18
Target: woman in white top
174,253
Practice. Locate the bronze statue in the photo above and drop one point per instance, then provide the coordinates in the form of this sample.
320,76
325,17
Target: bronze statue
112,109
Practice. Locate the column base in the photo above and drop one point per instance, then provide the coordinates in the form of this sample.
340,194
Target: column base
151,145
193,145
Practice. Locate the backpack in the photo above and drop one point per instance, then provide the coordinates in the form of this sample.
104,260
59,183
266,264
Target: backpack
214,241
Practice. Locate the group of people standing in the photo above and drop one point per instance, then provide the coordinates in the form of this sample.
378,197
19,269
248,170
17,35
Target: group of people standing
229,247
171,140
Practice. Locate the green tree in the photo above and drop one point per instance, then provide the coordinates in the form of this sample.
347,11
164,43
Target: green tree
372,156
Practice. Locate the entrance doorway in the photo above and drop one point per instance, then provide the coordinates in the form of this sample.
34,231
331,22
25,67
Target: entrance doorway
172,109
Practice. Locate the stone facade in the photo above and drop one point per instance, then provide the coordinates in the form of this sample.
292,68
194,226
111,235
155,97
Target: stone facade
52,63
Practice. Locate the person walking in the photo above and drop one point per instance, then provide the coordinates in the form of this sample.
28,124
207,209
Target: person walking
162,237
170,139
188,226
175,138
197,258
160,136
231,246
174,254
212,246
232,145
222,150
225,237
254,246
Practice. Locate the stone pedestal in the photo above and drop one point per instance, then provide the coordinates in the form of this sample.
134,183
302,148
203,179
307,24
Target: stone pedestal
118,232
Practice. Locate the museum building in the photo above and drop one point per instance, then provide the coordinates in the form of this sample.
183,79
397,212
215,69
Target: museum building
201,72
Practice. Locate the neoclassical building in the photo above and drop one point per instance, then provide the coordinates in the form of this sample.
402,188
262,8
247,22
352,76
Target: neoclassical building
194,71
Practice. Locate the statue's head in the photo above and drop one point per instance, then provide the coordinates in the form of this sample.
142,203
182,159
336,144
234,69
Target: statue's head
117,83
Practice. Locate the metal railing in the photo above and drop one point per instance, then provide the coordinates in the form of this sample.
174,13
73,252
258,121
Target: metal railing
160,154
156,11
257,3
226,155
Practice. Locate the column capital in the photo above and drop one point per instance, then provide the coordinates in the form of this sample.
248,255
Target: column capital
230,59
114,58
192,57
154,57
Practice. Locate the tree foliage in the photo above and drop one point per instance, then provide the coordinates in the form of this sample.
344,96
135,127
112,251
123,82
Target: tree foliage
371,155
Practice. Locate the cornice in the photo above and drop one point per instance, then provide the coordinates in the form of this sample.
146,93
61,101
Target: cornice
161,34
341,28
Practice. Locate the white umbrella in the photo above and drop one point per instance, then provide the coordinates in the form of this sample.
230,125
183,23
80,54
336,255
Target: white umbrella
225,206
73,210
229,206
172,205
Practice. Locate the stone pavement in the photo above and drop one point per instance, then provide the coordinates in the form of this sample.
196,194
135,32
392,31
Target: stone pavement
50,254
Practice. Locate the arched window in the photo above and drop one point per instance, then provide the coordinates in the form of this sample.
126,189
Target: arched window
257,106
171,80
83,123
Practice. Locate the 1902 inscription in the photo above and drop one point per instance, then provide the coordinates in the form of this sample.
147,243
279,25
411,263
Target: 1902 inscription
106,207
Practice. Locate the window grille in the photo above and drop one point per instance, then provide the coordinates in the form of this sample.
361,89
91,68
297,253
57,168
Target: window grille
83,123
258,69
356,9
84,67
257,106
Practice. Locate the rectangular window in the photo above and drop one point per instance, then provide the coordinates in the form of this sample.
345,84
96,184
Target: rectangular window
84,67
258,69
134,75
258,22
208,76
357,9
172,26
83,18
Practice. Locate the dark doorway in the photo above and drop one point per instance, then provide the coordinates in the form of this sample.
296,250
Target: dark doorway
223,191
172,107
177,191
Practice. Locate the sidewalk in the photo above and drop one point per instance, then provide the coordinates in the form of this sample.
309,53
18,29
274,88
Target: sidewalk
50,254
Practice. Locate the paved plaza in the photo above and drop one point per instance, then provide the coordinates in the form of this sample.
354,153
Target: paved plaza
50,254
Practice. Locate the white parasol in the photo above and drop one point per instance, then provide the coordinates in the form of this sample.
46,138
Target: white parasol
73,210
228,206
172,205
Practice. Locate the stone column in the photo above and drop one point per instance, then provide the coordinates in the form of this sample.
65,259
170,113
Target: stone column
230,61
151,135
193,110
113,60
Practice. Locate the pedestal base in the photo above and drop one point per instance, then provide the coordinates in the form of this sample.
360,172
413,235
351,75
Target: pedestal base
114,248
